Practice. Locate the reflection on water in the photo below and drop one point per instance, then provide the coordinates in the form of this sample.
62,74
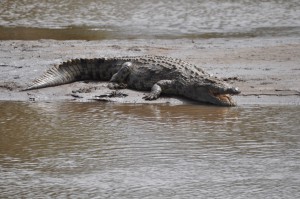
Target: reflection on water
91,19
102,150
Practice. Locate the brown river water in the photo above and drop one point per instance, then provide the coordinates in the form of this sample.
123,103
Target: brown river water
106,150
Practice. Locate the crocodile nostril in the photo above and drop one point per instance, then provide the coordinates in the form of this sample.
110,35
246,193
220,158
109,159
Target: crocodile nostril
236,90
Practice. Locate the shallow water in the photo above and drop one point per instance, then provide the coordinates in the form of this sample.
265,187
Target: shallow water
91,19
104,150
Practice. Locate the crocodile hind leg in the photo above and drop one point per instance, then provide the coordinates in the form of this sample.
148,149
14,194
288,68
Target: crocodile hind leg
118,79
159,87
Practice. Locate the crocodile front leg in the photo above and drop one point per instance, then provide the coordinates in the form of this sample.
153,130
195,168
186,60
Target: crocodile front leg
158,88
118,79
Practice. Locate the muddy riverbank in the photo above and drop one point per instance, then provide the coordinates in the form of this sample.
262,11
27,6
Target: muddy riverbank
265,70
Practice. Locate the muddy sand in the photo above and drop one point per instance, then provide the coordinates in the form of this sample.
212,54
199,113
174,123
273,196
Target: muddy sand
267,71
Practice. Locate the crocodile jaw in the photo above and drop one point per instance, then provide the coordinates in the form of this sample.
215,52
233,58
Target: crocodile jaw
220,96
222,99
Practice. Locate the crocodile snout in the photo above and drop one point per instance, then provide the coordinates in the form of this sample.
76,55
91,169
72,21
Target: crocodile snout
234,90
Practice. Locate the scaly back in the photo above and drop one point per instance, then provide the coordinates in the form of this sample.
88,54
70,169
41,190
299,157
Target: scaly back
104,68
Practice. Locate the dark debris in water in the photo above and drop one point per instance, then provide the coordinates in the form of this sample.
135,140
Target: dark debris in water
111,95
76,96
84,90
9,86
231,79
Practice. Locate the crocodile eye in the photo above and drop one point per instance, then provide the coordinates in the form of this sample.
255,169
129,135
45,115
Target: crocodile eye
210,80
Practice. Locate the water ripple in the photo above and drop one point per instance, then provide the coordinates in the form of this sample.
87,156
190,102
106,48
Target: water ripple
137,18
93,150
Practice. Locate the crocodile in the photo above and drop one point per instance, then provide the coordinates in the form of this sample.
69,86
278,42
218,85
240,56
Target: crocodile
157,74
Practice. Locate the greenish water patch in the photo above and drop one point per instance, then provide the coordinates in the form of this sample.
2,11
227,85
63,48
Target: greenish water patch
87,33
31,33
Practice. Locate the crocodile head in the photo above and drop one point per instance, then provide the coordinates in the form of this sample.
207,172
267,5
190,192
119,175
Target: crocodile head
212,90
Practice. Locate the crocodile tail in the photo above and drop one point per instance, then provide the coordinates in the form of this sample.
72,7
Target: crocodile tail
67,72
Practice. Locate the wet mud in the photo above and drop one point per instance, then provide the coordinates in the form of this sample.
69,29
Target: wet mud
265,70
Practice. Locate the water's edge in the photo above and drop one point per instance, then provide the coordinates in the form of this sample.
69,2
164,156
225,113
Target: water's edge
88,33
